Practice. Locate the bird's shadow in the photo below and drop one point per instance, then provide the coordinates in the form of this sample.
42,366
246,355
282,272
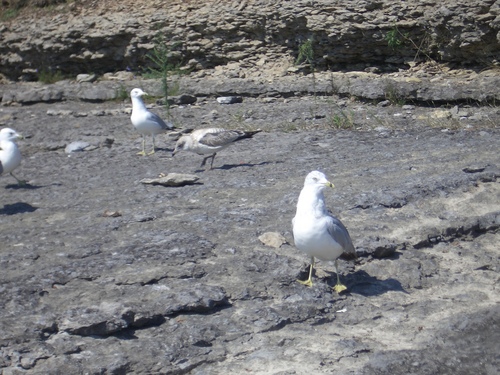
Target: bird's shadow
360,282
231,166
166,150
25,186
17,208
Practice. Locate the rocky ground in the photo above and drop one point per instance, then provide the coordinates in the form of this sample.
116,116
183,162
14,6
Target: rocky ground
102,274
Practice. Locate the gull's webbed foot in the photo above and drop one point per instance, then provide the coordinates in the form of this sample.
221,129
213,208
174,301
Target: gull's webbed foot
339,288
306,282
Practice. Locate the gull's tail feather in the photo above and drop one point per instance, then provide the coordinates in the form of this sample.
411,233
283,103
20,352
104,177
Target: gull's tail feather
349,256
247,134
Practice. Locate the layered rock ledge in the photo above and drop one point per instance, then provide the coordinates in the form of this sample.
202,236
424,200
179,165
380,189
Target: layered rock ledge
104,36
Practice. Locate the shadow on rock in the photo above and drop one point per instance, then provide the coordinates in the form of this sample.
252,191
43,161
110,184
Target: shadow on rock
166,150
25,186
362,283
17,208
231,166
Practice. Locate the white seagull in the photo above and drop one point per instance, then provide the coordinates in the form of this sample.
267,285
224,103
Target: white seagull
10,157
318,233
210,141
145,121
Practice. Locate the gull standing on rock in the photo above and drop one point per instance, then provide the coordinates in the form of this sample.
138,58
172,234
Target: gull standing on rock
146,122
10,157
318,233
210,141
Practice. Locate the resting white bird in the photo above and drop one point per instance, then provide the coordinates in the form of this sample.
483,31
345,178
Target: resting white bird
10,157
145,121
318,233
210,141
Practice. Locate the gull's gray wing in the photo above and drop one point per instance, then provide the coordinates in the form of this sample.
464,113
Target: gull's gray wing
1,166
218,138
157,119
340,234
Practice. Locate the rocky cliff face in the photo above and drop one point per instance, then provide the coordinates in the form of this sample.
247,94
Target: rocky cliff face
99,37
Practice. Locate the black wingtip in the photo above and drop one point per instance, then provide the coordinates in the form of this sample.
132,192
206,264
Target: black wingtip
251,133
349,256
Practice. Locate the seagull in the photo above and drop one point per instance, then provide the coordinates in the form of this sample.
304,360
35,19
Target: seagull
145,121
10,157
210,141
318,233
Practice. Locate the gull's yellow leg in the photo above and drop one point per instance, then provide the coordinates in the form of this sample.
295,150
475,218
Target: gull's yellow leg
153,151
339,287
143,152
19,182
308,282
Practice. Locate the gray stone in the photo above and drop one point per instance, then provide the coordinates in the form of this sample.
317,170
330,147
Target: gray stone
76,147
272,239
86,78
229,99
172,179
96,94
36,96
118,76
182,99
59,112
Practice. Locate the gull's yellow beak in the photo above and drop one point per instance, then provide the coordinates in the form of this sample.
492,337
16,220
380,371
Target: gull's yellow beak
329,184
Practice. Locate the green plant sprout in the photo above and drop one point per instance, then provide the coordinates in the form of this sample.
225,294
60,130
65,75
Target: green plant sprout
160,56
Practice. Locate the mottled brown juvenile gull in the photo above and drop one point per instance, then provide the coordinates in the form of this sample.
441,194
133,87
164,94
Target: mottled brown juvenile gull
318,233
145,121
210,141
10,156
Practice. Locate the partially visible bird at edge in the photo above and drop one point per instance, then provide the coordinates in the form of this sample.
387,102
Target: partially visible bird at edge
10,156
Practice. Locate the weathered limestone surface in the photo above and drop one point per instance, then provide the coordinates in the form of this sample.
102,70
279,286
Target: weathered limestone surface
101,273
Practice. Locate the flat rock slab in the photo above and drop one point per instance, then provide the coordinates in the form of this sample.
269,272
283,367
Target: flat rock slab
172,179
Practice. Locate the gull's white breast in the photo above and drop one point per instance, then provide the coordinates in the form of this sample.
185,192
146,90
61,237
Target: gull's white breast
9,156
144,124
312,237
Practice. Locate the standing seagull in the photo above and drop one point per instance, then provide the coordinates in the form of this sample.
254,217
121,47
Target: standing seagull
318,233
144,121
10,157
210,141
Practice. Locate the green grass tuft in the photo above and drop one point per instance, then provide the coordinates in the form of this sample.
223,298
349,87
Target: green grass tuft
48,77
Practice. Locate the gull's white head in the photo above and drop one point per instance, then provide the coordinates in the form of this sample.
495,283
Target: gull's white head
137,93
318,180
8,134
